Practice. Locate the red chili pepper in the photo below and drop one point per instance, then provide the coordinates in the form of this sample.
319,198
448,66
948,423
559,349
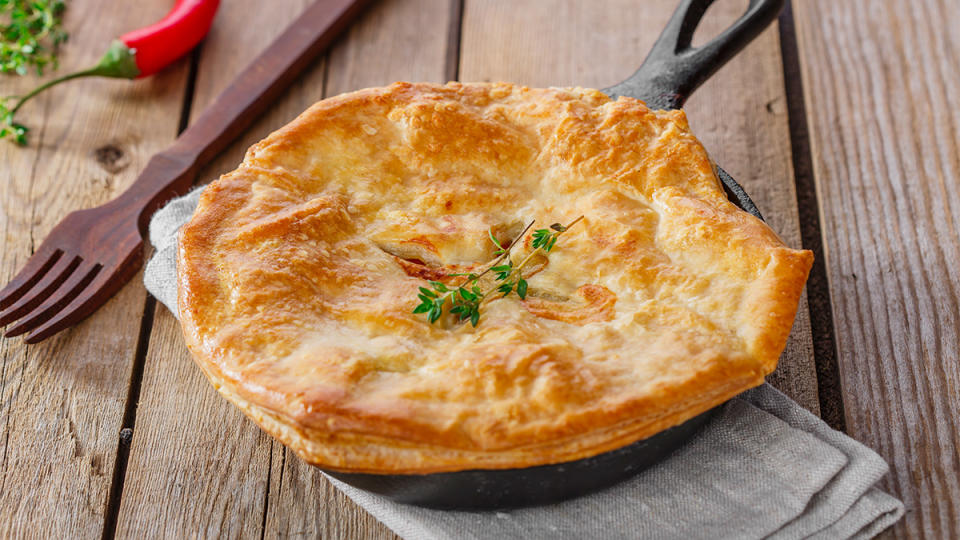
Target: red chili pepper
146,51
159,44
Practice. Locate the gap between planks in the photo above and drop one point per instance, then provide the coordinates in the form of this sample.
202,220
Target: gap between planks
127,426
451,73
818,286
454,33
264,525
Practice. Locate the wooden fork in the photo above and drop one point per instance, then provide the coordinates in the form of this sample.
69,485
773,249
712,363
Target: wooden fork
92,253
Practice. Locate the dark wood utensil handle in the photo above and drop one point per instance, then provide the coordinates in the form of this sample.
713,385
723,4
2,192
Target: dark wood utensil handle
171,172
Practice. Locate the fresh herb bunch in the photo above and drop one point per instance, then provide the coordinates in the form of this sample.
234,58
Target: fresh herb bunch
467,298
31,32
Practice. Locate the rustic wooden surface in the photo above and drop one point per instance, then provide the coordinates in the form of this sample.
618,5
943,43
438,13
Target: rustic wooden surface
882,88
109,429
62,402
167,489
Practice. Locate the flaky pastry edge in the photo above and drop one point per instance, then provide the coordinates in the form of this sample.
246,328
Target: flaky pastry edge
425,452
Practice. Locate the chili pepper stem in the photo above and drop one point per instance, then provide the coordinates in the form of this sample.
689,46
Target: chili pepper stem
119,62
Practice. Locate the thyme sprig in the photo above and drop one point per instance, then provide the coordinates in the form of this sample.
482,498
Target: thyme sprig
467,298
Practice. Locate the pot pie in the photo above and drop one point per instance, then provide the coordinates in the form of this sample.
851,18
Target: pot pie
299,271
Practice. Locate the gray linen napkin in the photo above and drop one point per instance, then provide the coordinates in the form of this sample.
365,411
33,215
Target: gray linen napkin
762,468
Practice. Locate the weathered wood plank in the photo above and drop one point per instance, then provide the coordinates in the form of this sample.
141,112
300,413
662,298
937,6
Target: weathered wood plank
197,466
818,287
740,114
881,81
191,443
62,401
396,40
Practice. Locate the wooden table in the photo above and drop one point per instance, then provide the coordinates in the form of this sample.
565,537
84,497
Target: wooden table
842,122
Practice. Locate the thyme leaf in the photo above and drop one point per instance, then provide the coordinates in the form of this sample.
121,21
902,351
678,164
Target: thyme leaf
8,127
467,298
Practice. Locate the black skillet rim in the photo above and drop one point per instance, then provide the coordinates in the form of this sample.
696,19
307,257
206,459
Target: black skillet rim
493,489
671,72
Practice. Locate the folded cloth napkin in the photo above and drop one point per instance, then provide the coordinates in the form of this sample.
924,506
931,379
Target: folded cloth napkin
762,468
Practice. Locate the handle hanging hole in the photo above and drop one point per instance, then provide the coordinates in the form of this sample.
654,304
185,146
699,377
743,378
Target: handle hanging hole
719,16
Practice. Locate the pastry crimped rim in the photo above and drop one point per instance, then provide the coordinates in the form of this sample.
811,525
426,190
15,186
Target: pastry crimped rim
298,276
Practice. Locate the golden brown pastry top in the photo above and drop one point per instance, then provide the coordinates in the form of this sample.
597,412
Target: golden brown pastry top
299,270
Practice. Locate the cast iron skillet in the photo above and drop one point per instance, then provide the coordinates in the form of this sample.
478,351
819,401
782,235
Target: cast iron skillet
670,73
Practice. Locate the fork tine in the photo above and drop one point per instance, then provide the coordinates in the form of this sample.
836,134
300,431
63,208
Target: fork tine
78,280
49,283
103,285
37,266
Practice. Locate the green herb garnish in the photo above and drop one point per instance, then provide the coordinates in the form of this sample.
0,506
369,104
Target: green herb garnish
9,128
467,298
30,34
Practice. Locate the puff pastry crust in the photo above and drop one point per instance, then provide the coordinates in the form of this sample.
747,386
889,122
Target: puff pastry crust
299,270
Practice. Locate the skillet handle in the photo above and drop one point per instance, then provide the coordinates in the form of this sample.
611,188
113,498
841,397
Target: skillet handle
673,69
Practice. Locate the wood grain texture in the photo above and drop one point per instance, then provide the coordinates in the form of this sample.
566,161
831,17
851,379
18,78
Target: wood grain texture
740,114
303,504
396,40
62,402
881,82
818,287
197,466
